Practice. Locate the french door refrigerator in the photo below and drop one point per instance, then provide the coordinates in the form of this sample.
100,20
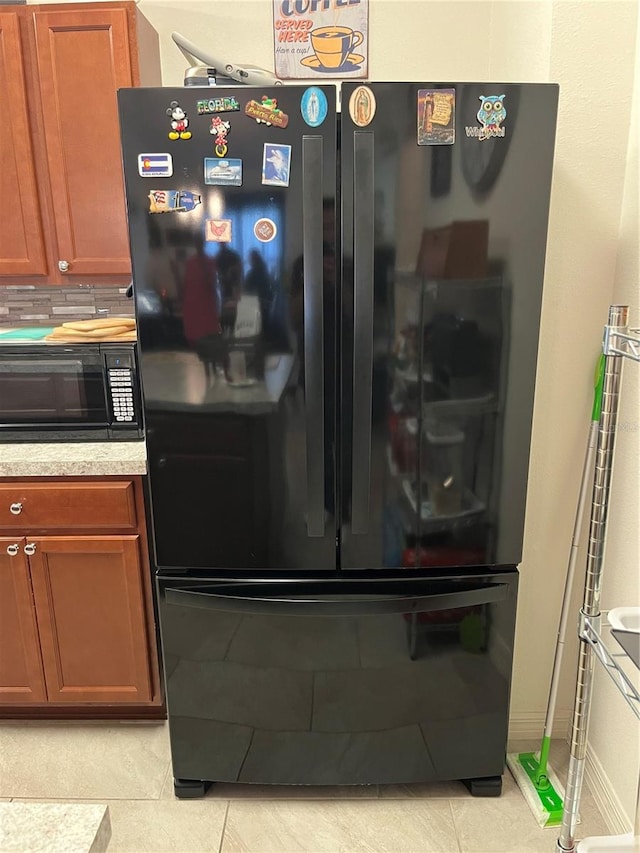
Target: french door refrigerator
338,318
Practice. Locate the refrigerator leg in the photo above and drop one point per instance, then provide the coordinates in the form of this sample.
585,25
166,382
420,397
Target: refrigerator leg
190,789
484,786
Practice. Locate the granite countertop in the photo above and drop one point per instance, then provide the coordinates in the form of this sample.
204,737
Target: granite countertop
77,459
54,827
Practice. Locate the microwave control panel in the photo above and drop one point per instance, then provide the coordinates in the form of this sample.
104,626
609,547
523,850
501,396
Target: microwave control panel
121,378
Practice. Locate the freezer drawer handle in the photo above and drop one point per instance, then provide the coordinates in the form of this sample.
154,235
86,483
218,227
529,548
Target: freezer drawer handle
312,181
217,599
363,236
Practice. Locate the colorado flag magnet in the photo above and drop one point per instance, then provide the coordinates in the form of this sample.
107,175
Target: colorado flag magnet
155,165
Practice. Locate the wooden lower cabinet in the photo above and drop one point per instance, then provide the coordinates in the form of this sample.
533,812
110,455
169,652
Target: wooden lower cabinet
21,676
89,600
78,634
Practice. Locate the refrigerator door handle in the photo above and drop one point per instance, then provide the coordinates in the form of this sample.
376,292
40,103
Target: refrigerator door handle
312,183
363,238
238,600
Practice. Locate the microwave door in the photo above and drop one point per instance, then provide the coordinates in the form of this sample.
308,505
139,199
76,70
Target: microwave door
54,390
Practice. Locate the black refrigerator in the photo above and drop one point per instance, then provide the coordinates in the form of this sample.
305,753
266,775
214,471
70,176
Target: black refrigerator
338,314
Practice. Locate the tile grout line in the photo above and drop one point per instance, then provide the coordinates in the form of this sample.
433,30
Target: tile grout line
164,781
455,827
224,827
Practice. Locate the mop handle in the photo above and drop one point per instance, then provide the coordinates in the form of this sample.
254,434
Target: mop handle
585,486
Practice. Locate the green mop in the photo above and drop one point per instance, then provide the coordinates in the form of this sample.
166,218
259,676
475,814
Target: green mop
535,777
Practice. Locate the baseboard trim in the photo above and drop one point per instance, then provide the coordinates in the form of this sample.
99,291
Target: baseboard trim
606,799
526,725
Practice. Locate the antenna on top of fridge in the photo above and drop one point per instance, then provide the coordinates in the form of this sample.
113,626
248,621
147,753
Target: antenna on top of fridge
218,72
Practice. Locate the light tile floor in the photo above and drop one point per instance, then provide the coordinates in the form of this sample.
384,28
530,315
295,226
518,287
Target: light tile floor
127,766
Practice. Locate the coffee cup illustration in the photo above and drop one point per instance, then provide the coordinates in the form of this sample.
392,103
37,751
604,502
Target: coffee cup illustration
332,45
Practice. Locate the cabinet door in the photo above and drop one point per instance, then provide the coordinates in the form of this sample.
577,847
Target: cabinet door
21,237
21,678
83,58
89,600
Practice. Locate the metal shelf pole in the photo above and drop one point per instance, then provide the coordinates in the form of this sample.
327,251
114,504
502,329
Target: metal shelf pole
618,324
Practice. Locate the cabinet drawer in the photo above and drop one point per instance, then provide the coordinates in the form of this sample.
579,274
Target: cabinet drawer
99,506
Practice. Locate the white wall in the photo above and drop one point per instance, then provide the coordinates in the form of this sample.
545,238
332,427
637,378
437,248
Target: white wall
614,732
589,48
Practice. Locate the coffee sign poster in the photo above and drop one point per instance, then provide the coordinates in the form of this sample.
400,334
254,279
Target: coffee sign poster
321,39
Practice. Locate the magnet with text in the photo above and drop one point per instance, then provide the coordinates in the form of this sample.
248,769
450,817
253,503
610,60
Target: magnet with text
218,230
179,122
265,230
276,162
222,173
267,112
155,165
436,116
207,106
362,106
173,201
313,106
220,128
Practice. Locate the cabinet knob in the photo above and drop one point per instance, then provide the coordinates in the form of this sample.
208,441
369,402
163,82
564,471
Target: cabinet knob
30,549
15,509
12,550
63,266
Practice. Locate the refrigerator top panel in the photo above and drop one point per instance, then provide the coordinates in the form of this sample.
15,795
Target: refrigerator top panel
227,190
445,199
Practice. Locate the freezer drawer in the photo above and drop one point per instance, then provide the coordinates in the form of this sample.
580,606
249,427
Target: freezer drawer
338,682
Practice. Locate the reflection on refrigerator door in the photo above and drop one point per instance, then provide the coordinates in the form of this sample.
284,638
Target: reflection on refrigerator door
358,697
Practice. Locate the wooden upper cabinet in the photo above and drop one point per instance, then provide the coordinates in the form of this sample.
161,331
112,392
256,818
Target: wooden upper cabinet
63,216
83,56
22,249
21,676
91,616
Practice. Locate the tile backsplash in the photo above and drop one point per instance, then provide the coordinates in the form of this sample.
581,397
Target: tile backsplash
33,305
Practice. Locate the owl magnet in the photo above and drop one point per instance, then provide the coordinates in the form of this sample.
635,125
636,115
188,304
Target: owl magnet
491,114
436,116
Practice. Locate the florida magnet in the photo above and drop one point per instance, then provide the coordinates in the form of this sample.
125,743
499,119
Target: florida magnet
206,106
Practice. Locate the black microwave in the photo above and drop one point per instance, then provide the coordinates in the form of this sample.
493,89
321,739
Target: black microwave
63,392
